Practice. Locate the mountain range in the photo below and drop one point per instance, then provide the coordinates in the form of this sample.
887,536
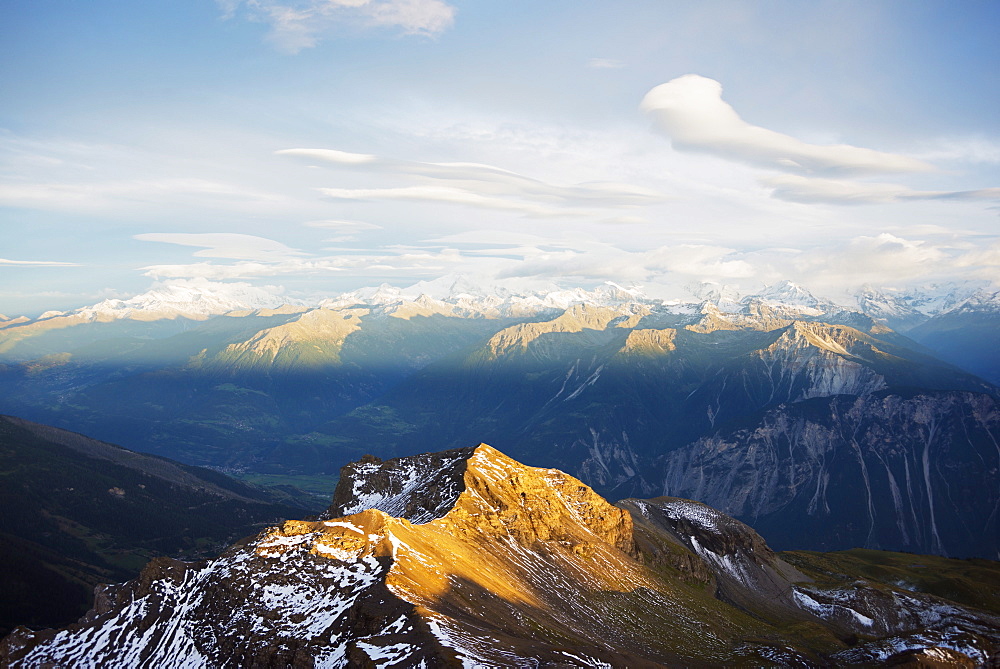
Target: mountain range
469,558
817,423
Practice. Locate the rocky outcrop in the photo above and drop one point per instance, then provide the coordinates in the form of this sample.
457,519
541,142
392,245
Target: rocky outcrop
650,341
419,488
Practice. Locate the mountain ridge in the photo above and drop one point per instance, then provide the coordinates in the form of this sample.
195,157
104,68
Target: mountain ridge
526,566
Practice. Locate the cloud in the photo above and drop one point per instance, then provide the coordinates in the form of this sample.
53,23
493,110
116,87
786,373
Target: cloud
110,194
360,262
879,259
596,261
828,269
301,24
690,110
37,263
448,195
834,191
225,245
332,156
488,178
983,263
478,185
699,260
415,17
343,226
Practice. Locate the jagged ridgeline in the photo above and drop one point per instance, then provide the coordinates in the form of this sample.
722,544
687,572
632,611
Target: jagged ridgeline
815,422
469,558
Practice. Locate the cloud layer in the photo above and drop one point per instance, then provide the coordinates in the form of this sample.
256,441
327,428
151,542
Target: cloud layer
225,245
666,270
835,191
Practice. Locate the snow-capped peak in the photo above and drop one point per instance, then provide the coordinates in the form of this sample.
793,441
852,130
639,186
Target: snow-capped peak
723,297
190,298
504,296
933,299
787,292
982,300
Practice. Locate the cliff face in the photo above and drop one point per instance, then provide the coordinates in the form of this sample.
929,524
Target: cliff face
916,473
522,567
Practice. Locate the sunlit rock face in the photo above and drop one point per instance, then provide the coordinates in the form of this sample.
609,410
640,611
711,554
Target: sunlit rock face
468,558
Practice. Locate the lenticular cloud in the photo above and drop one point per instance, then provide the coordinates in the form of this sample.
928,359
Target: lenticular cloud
690,110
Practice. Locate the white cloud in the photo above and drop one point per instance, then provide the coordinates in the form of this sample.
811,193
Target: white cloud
105,195
415,17
699,260
378,262
835,191
495,237
880,260
829,269
667,265
343,226
448,195
479,185
332,156
37,263
983,263
479,179
690,110
211,271
301,24
225,245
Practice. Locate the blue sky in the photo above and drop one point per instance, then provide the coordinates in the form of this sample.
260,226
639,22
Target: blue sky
317,146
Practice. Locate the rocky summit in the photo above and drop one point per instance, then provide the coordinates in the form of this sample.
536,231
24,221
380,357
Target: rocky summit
469,558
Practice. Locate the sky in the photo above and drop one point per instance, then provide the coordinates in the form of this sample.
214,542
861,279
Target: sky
311,147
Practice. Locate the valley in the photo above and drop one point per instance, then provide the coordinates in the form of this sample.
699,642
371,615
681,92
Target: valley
786,411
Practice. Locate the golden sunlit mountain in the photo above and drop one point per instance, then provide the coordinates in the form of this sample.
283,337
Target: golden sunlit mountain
469,558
